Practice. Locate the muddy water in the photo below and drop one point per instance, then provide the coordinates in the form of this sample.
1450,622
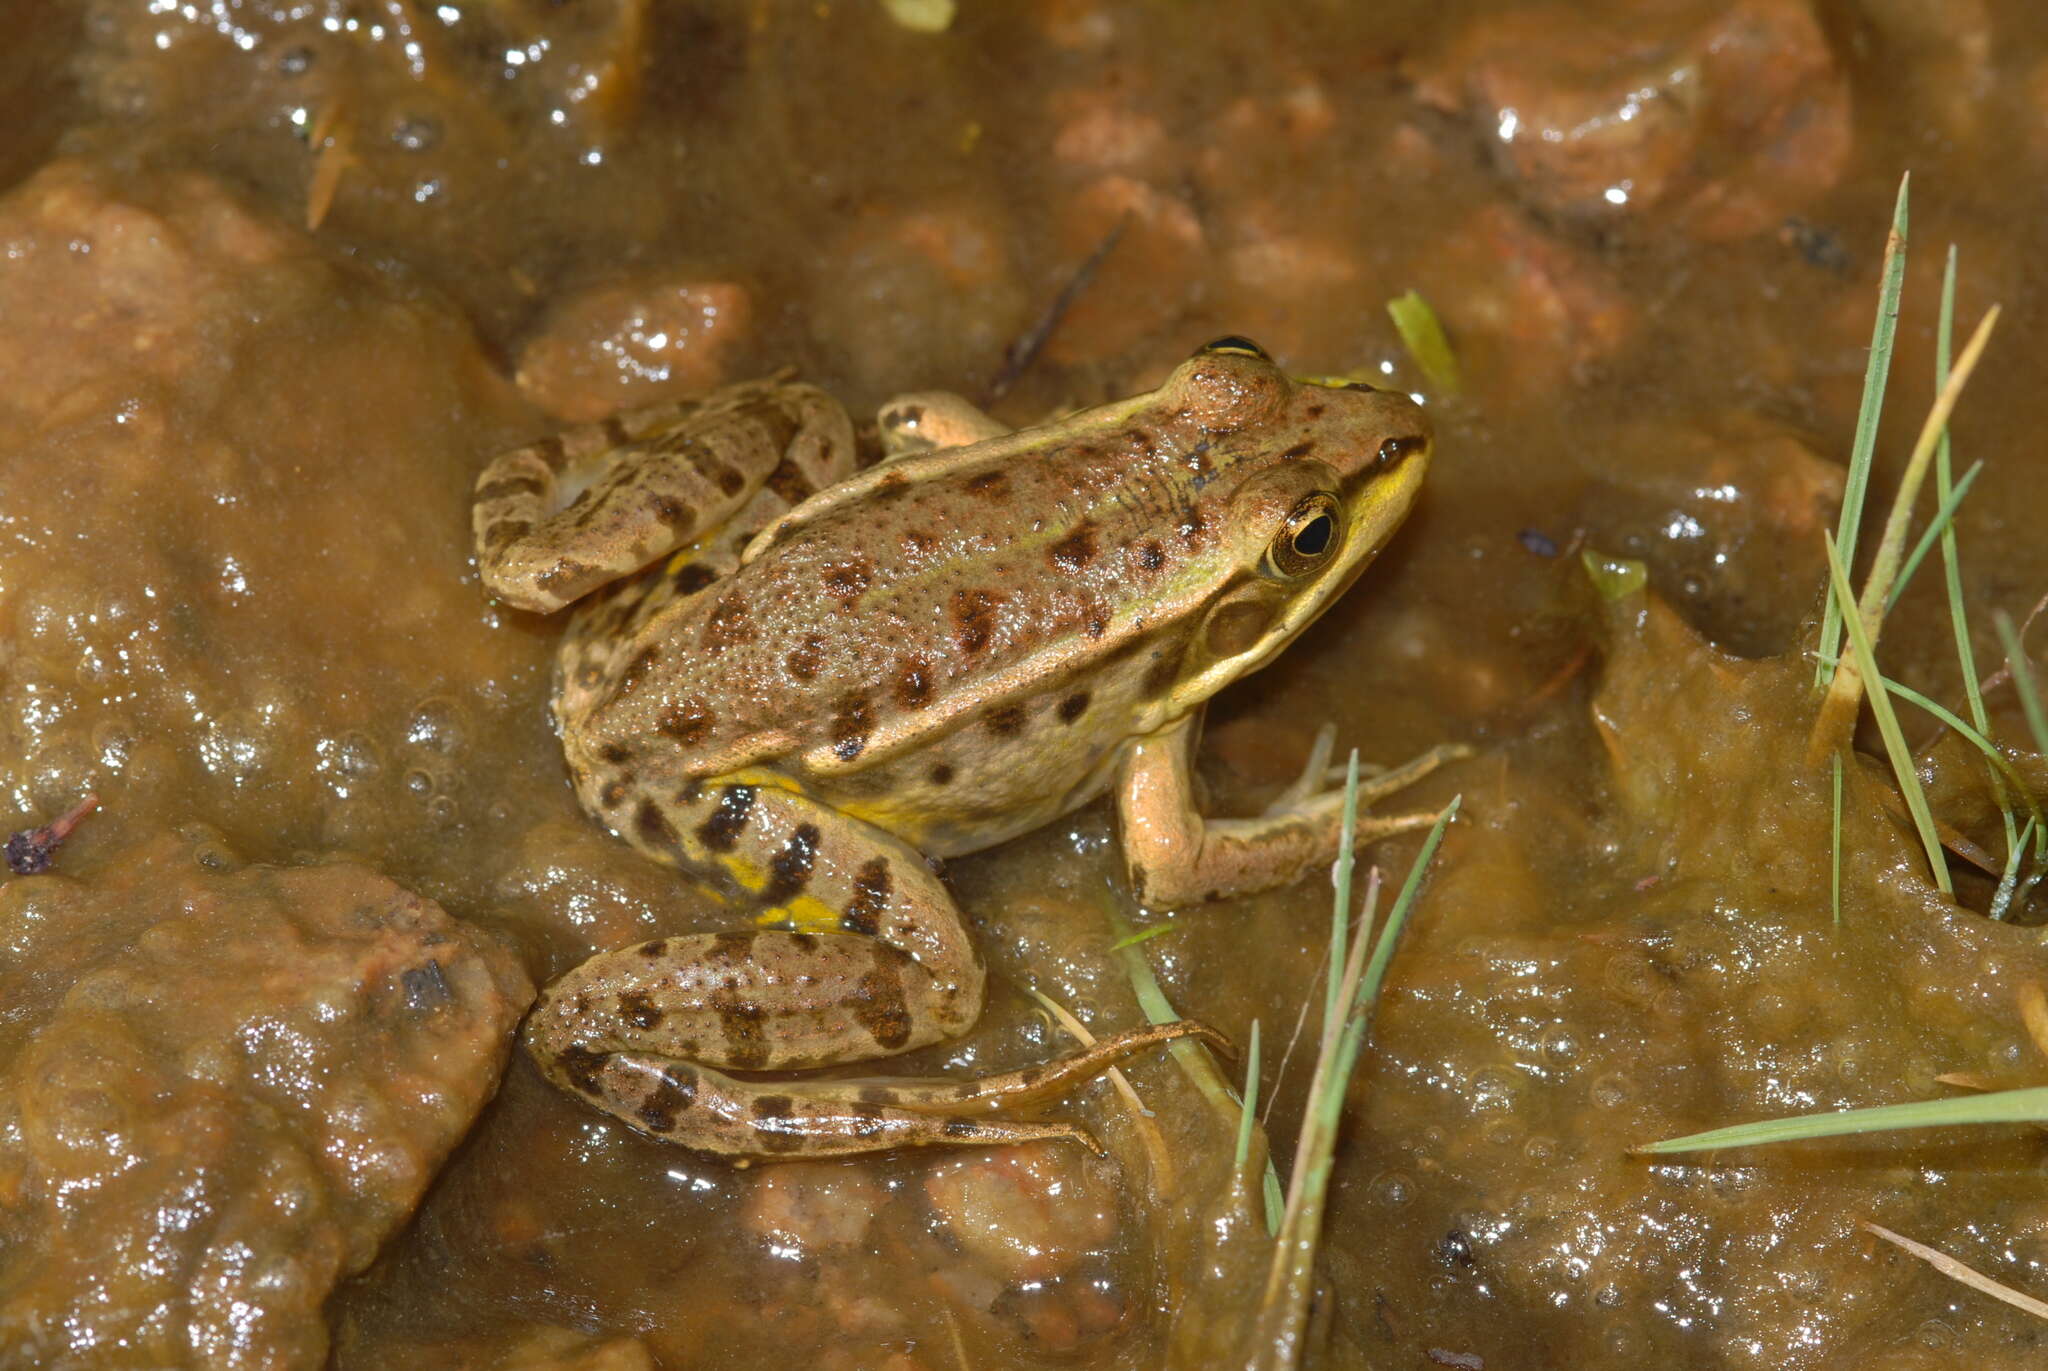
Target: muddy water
277,281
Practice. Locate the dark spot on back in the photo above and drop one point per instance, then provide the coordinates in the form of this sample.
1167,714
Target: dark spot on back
613,793
1298,450
871,887
913,682
727,626
722,830
1074,706
615,754
789,870
974,618
1192,526
851,724
942,774
655,950
644,661
806,658
961,1128
1149,555
689,722
772,1107
1074,551
994,484
848,580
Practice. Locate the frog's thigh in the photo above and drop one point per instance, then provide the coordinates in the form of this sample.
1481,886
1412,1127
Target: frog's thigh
1176,856
869,956
928,419
558,518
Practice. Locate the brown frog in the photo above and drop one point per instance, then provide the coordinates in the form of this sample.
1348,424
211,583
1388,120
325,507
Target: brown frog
833,676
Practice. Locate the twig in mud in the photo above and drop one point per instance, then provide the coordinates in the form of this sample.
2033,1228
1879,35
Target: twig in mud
31,850
1022,353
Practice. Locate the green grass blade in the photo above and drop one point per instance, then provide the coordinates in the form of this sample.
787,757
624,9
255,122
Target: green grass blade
2001,765
2009,879
1891,284
1383,950
2023,680
1997,1106
1340,877
1903,766
1143,935
1835,850
1941,530
1423,335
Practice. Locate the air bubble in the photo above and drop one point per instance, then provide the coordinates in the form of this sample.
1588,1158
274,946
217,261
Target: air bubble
356,756
436,725
1558,1045
1609,1090
419,784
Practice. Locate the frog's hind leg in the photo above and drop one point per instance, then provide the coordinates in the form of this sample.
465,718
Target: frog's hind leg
859,953
699,1107
557,518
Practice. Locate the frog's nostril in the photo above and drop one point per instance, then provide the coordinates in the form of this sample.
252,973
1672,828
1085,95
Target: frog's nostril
1394,449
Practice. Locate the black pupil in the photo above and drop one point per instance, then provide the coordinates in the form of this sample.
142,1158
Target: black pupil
1312,539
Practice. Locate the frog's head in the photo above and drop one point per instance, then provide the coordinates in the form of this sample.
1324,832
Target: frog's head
1307,481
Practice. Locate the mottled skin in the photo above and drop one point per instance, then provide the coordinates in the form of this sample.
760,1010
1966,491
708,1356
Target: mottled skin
946,650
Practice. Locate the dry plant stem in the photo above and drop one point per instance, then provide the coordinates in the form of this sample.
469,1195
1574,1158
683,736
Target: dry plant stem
1845,692
1141,1117
1955,1270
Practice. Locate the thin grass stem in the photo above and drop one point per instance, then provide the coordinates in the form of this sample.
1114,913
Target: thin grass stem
1891,284
1903,767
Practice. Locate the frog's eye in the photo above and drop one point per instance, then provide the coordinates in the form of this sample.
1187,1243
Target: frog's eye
1242,347
1308,538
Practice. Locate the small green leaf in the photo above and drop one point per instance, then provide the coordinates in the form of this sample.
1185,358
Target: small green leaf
1423,335
1616,578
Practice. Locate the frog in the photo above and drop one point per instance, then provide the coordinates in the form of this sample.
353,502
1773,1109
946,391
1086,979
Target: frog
806,686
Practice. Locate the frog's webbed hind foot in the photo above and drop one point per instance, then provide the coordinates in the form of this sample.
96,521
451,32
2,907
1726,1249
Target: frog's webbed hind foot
748,1120
560,517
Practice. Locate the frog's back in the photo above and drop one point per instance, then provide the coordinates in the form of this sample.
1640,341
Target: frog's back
959,645
942,651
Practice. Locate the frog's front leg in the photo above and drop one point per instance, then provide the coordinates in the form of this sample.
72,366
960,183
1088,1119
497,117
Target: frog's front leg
926,420
869,957
558,518
1176,856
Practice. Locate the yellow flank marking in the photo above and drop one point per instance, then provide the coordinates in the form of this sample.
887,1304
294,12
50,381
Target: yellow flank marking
676,562
751,877
805,914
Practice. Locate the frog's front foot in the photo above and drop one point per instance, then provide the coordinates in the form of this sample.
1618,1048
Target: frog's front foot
1178,856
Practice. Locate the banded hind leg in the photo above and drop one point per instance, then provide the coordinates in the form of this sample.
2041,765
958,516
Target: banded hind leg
558,518
859,953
